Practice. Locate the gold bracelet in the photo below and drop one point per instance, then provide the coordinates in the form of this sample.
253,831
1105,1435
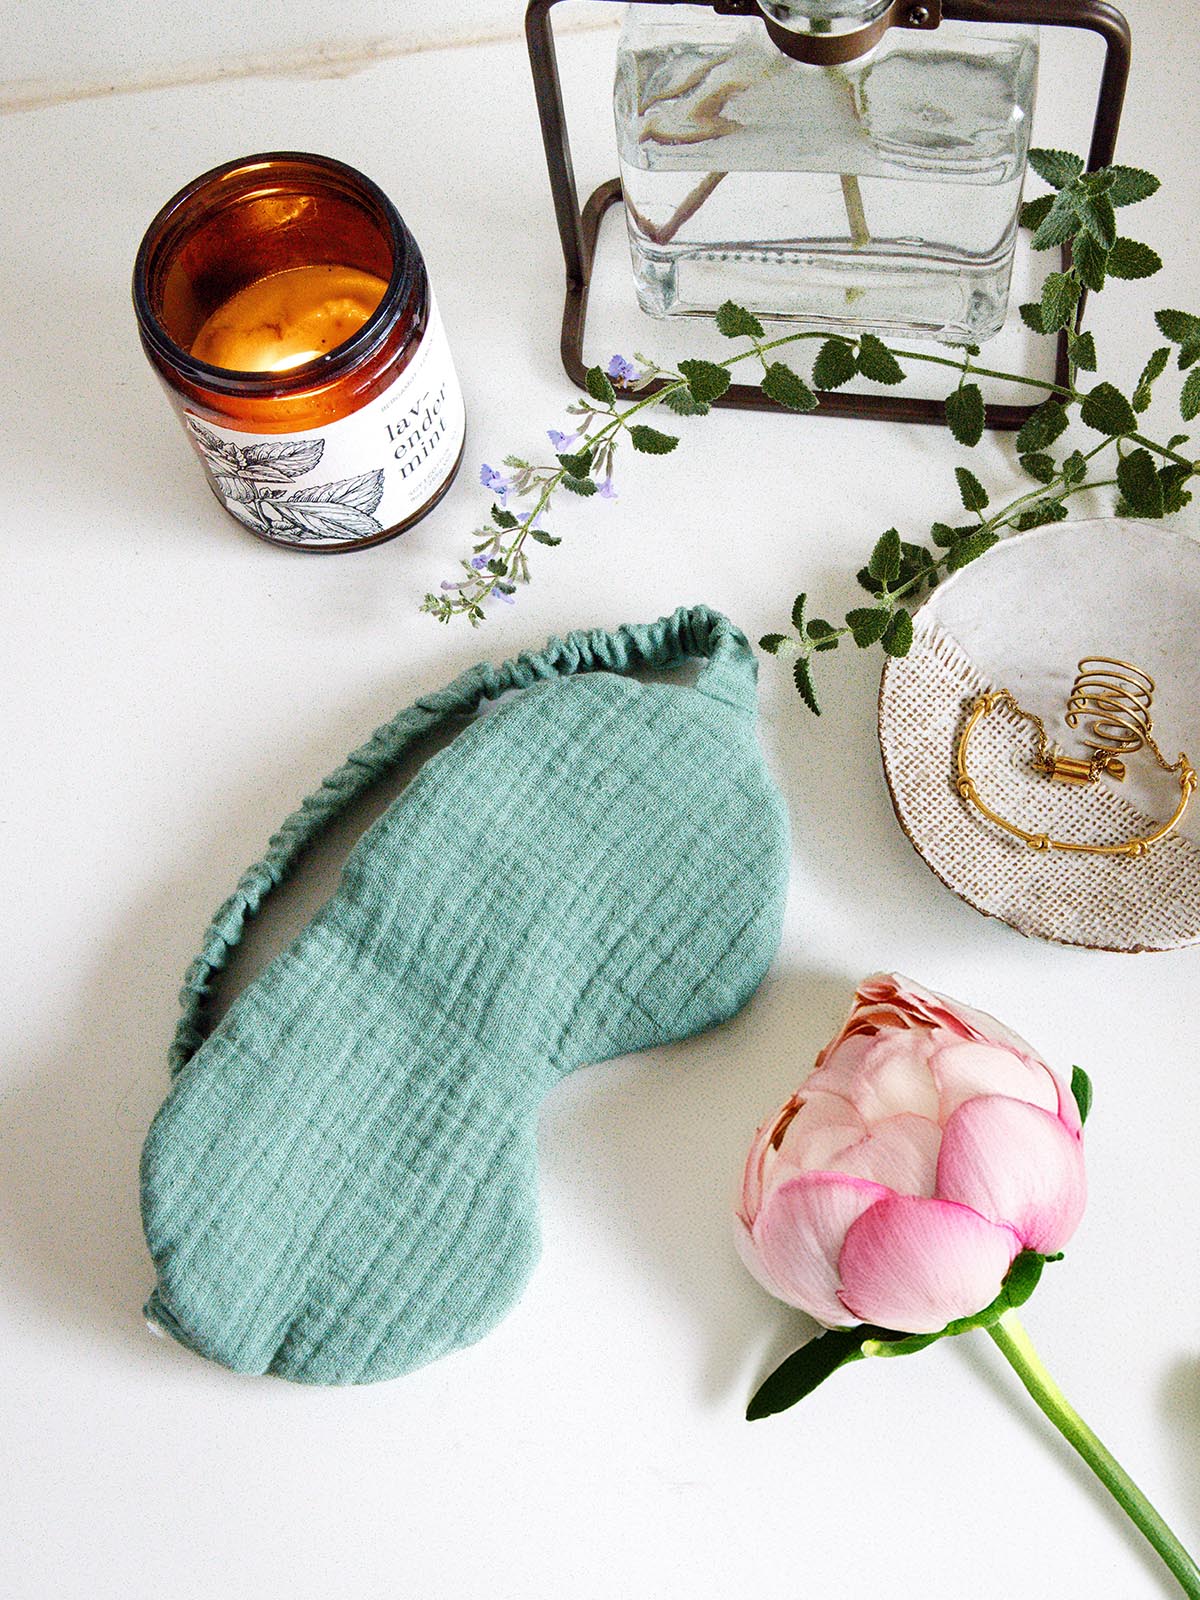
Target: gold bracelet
1117,699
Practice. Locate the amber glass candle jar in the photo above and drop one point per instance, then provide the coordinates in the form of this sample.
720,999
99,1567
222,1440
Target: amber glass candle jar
287,310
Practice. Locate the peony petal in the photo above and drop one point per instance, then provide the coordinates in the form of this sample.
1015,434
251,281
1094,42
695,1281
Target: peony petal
801,1137
915,1264
794,1247
963,1070
882,1075
901,1153
1018,1164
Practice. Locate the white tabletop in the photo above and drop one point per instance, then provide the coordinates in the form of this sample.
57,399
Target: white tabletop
174,687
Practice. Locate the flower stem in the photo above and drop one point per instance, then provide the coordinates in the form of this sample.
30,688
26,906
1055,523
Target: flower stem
1018,1351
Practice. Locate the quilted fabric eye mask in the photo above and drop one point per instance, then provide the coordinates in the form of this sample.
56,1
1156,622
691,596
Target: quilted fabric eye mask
342,1182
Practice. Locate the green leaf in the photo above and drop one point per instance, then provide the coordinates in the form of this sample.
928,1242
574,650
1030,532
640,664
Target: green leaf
1106,410
503,518
866,581
783,386
579,464
974,495
506,588
1090,261
1033,212
1031,316
1057,167
706,380
581,486
1060,296
1129,259
543,537
945,536
1081,1089
1151,372
1042,427
885,557
1131,184
803,679
1081,347
868,624
1175,496
1060,223
1096,214
823,634
1137,479
650,442
680,401
498,566
834,365
1189,354
1180,327
735,322
876,361
599,386
798,605
1074,468
809,1366
1023,1277
1039,515
898,638
965,414
1041,466
773,643
964,551
1189,399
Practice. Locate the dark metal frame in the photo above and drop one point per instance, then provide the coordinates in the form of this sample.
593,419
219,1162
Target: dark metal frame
579,230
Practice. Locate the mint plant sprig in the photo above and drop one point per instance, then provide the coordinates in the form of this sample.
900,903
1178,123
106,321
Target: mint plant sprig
1150,476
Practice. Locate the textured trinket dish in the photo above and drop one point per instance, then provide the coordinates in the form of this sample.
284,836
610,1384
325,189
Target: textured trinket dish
1021,619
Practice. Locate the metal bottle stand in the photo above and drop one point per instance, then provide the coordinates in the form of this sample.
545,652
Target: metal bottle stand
578,229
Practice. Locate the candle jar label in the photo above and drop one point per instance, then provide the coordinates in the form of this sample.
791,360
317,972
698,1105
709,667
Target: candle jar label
356,479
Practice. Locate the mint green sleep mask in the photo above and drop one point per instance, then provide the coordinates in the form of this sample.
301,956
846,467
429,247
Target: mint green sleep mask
342,1182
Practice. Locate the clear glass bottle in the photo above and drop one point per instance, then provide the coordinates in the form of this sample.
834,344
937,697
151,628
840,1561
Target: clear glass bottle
880,194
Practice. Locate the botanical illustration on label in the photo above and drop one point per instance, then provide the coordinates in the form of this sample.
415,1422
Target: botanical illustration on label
358,476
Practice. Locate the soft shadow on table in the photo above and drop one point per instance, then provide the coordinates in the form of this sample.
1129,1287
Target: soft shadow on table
72,1130
1003,1383
1179,1398
652,1148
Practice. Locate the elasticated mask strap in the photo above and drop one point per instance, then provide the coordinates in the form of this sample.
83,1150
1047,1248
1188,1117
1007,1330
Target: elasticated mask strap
695,632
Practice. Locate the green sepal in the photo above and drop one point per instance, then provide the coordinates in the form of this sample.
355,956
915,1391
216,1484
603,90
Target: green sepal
900,1347
735,322
1106,410
706,380
876,361
1081,1089
885,557
808,1367
599,385
974,496
650,441
834,365
965,414
787,388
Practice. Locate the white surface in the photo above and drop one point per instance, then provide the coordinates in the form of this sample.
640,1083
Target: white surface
174,686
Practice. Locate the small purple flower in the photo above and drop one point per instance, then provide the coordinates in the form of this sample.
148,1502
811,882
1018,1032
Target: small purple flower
495,481
509,599
561,441
451,586
480,561
605,488
622,371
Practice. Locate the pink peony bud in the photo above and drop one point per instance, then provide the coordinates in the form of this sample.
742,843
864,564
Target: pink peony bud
927,1149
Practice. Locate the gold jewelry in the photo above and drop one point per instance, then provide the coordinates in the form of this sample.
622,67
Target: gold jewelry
1113,700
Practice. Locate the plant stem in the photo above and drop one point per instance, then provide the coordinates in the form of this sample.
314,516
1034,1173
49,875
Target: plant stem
1016,1347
